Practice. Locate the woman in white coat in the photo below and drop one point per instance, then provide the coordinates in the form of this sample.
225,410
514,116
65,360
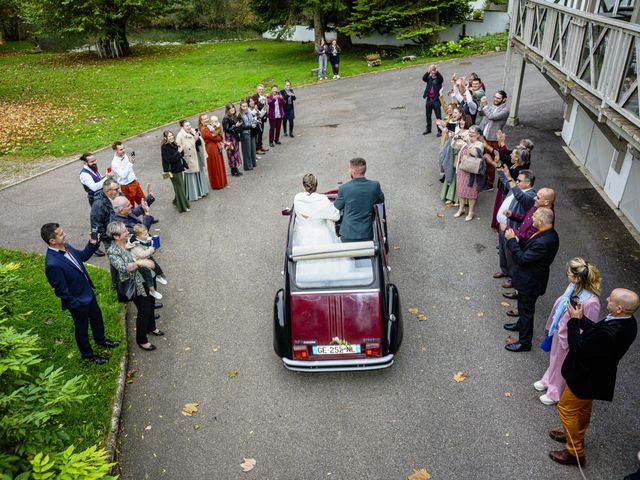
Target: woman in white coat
193,184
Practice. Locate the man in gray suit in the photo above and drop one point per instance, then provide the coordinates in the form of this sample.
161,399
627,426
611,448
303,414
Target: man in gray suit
357,199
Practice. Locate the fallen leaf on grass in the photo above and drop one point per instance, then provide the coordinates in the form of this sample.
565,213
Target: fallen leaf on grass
507,394
505,304
460,376
58,341
413,310
49,321
422,317
232,373
130,374
419,474
248,464
189,409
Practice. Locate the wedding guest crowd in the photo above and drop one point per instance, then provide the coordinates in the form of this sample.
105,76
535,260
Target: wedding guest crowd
583,352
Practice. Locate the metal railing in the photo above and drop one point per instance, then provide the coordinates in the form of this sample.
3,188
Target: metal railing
596,52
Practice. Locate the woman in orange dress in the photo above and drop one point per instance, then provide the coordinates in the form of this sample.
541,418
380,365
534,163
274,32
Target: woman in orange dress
212,135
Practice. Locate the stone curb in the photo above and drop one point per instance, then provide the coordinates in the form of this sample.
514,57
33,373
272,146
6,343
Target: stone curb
112,438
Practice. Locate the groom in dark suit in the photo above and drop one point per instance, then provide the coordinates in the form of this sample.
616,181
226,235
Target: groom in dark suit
530,273
357,199
70,280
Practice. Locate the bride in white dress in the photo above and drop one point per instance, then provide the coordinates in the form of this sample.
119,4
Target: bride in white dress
315,225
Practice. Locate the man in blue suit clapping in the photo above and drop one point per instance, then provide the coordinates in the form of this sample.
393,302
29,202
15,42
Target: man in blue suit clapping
357,199
68,277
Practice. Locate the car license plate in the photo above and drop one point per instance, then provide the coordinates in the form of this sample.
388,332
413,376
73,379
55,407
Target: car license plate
335,349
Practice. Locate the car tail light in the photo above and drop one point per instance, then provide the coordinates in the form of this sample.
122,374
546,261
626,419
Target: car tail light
372,349
300,352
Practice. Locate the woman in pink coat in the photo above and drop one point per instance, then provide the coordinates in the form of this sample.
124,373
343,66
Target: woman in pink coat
584,288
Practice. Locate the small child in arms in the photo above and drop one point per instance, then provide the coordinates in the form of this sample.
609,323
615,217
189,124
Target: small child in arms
141,246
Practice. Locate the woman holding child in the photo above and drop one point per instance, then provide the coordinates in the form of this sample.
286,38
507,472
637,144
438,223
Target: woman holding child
129,271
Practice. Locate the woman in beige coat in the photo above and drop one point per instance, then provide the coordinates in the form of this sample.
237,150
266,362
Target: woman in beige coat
187,138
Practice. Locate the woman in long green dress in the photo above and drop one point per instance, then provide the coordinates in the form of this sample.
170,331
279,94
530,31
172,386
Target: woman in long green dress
458,139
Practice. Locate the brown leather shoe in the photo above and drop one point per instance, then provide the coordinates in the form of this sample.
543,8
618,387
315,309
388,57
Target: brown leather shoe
513,313
507,284
558,436
499,275
565,458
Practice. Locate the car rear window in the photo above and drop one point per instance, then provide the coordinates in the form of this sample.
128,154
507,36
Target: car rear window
334,272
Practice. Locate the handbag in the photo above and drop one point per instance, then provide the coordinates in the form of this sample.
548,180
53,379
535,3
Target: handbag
546,343
126,290
470,164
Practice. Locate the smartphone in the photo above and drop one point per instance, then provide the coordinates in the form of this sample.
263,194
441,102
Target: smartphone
133,154
109,170
574,300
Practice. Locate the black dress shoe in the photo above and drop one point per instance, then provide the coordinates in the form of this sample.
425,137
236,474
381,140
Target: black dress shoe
558,436
278,143
158,305
426,132
565,458
511,295
291,135
150,348
96,360
99,253
512,327
518,347
110,344
439,134
156,316
159,333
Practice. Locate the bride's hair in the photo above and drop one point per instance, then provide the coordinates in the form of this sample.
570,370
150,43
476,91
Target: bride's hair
310,183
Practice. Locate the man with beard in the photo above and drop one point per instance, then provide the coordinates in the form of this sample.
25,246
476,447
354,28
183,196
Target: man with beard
90,177
494,119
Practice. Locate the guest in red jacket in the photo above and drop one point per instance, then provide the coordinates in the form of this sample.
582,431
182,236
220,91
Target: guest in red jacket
275,114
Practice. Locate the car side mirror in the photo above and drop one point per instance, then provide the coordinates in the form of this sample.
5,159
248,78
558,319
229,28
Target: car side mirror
286,212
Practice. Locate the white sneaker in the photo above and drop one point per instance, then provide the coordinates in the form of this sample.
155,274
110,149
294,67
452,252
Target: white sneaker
539,386
337,76
161,280
334,77
157,295
544,398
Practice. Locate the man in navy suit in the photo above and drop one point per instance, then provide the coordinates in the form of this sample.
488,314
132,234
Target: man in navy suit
530,273
68,277
357,199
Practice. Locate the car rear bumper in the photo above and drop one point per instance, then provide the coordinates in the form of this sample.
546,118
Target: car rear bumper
339,365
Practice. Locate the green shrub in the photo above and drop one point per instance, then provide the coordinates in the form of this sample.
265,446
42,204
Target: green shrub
31,403
466,41
442,49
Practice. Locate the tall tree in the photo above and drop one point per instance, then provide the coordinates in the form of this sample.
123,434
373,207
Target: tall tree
416,20
104,20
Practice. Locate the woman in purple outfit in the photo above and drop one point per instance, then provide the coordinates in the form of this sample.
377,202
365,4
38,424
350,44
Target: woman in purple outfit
232,127
584,287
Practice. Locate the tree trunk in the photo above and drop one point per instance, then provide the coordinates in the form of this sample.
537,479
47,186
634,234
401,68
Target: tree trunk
318,25
114,44
1,35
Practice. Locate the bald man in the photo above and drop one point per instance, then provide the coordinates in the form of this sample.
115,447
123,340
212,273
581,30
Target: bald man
590,368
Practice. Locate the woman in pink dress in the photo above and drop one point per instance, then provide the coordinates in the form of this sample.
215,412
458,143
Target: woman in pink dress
467,183
584,288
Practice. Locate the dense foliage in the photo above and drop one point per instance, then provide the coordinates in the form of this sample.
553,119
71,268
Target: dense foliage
405,19
43,407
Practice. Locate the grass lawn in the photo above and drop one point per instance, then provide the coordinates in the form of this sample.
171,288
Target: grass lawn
54,105
88,425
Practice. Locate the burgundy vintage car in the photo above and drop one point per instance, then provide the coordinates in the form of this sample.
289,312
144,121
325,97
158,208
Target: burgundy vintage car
341,320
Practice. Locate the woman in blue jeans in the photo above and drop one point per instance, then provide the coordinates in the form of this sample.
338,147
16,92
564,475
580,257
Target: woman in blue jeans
321,52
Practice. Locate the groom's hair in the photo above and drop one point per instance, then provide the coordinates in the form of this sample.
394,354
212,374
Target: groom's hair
359,164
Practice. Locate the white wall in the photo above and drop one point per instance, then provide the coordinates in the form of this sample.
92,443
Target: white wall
493,22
